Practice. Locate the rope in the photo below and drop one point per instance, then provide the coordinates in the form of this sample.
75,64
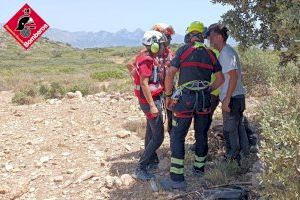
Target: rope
196,85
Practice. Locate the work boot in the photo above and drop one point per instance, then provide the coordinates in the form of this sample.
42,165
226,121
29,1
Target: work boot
152,166
142,174
169,184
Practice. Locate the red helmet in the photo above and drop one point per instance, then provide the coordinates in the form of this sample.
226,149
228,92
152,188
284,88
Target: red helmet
164,28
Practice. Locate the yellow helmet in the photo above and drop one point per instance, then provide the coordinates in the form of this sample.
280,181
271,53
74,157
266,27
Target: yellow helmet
196,26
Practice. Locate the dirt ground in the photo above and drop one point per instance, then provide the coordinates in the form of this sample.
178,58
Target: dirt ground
80,148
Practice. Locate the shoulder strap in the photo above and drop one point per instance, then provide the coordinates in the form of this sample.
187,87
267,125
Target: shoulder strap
187,53
212,57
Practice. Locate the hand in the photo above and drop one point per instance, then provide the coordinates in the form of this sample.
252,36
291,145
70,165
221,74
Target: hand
225,105
169,103
154,111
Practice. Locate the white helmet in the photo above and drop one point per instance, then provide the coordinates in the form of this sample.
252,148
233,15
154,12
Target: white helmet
151,37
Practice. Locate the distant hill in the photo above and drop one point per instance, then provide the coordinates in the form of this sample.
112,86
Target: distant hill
84,39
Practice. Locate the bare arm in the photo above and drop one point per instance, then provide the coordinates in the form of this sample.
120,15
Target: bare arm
169,81
233,77
219,80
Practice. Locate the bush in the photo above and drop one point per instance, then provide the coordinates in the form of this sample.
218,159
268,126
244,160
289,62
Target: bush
83,87
280,123
279,119
25,97
54,90
281,145
106,75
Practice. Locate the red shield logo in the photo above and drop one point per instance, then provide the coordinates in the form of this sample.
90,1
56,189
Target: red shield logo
26,26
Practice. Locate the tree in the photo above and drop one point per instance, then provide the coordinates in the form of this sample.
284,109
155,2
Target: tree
267,23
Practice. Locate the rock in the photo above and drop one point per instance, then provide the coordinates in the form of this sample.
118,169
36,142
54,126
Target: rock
118,181
54,101
17,113
73,95
87,175
31,190
96,178
127,179
123,134
4,189
66,154
46,122
34,176
109,182
20,188
31,151
74,108
45,159
38,120
38,164
8,167
78,94
6,151
164,164
255,180
58,179
133,124
98,153
70,171
70,95
57,95
33,129
100,95
258,167
128,148
51,101
153,185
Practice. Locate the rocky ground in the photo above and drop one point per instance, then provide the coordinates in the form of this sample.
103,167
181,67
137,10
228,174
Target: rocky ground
83,148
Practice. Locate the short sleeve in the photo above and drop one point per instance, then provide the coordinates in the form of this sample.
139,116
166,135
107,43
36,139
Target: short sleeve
228,62
176,60
145,69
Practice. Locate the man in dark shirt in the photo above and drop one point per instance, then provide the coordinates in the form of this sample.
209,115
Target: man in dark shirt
195,64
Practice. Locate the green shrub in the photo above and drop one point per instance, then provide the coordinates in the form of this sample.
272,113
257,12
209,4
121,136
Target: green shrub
106,75
54,90
83,87
260,66
66,69
43,90
279,119
25,97
223,173
281,145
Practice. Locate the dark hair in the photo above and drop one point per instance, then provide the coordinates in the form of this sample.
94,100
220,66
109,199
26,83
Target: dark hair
219,29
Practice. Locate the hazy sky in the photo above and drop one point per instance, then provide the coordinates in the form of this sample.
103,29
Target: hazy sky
113,15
